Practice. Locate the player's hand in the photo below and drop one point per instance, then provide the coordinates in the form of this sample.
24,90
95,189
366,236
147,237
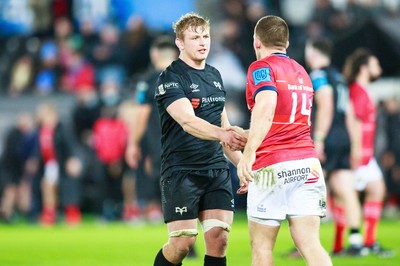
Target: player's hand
320,149
73,167
233,140
238,130
242,189
355,157
244,169
133,155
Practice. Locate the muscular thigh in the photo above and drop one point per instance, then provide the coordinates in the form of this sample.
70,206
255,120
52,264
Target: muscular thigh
304,229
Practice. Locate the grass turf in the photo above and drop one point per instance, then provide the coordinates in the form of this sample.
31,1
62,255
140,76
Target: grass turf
94,243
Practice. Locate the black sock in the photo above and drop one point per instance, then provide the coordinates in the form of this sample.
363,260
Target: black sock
354,231
214,261
162,261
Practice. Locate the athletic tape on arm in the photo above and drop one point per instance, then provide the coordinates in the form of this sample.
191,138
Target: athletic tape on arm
210,223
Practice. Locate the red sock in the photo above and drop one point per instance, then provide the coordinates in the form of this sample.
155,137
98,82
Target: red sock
340,225
372,215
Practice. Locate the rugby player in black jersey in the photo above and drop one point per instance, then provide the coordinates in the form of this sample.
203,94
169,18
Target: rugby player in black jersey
195,180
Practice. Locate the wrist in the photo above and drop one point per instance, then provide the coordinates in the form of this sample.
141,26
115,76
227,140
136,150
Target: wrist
319,137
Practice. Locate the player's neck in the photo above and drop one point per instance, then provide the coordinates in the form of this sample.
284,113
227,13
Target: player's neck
363,80
161,65
320,62
197,64
269,51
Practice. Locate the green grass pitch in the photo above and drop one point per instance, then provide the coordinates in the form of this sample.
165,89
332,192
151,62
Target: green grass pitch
97,244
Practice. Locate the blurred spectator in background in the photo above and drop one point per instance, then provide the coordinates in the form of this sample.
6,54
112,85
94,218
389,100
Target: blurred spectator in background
21,75
84,114
95,11
89,36
42,17
360,69
108,55
63,29
60,169
144,148
131,212
79,74
136,40
18,167
47,78
61,8
109,143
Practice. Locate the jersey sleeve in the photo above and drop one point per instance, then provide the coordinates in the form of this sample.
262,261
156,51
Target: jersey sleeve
260,77
169,89
143,93
319,79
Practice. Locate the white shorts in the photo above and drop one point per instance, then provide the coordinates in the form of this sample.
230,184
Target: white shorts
366,173
51,172
287,189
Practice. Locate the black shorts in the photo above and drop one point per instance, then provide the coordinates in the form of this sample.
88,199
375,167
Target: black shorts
185,193
337,150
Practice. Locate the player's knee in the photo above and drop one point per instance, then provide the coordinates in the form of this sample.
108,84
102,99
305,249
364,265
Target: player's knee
215,223
183,240
216,232
182,245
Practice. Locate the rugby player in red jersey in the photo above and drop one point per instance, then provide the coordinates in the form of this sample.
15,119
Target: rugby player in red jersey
280,169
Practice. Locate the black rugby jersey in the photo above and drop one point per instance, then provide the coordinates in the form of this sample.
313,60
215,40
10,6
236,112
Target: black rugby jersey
145,95
205,90
330,76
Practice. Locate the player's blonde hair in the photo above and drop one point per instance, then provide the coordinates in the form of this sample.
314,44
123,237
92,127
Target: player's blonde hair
192,21
272,31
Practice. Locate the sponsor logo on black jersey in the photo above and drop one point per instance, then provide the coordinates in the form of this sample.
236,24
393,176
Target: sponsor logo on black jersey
170,85
218,85
208,100
194,87
195,102
161,90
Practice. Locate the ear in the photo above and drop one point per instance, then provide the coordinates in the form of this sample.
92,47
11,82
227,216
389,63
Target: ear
287,44
257,42
179,44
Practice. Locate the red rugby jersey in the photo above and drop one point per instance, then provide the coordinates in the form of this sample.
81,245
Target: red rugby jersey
365,110
289,136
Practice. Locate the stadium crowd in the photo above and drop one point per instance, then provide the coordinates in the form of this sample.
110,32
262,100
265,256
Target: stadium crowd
55,167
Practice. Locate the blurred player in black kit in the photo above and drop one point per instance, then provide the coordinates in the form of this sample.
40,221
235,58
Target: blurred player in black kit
334,120
144,147
195,180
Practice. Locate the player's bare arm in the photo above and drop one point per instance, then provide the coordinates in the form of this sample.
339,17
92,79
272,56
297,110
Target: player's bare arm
136,132
323,119
261,121
354,127
233,156
182,112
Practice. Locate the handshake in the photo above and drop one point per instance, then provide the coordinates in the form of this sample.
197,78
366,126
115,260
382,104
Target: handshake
234,138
